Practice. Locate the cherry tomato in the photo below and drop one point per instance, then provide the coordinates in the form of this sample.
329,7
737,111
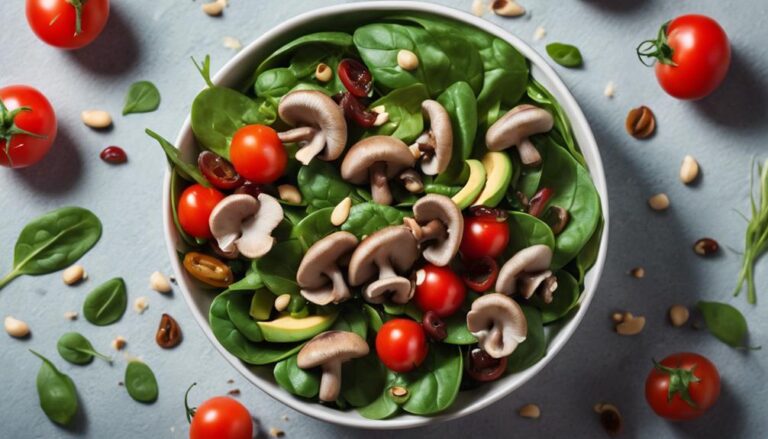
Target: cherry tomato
481,274
27,126
221,418
258,154
484,236
442,291
401,345
683,386
67,24
692,55
195,206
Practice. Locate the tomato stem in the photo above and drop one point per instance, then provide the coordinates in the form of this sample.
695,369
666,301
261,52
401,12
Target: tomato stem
8,129
189,411
78,5
656,50
679,381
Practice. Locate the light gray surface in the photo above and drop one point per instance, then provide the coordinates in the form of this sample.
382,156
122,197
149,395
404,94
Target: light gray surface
154,40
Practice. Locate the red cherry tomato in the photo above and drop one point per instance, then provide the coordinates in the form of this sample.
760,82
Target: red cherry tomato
401,345
195,207
56,21
693,56
26,111
221,418
442,291
258,154
694,389
484,236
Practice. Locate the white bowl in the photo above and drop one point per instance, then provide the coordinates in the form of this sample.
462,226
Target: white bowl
240,68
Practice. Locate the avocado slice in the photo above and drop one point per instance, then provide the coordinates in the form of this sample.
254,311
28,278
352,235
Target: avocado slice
498,168
286,329
474,185
261,304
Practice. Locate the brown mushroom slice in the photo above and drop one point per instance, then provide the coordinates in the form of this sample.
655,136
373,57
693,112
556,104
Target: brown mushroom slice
438,225
320,274
329,350
498,323
515,128
525,271
435,146
321,129
377,159
246,223
386,253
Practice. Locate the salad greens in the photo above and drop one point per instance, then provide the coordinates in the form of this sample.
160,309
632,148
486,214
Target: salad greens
77,349
140,382
565,54
756,239
142,97
106,304
57,393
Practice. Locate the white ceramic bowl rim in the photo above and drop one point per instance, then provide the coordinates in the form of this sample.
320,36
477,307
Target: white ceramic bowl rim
490,393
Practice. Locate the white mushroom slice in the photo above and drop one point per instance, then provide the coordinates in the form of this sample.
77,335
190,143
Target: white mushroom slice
376,159
245,223
498,323
437,140
515,128
533,259
329,350
321,129
320,273
438,226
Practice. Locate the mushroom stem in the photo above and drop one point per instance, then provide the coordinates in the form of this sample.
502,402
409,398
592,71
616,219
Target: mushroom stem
379,185
301,134
432,230
412,181
340,289
311,142
529,155
330,381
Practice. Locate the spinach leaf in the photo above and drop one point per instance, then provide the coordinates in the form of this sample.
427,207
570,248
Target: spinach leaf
460,103
278,267
186,170
534,347
404,108
321,185
177,187
314,227
373,316
725,322
526,230
57,393
564,299
352,319
588,255
142,97
434,385
364,380
506,77
366,218
140,382
456,326
106,303
238,311
298,381
565,54
382,407
251,281
441,189
77,349
53,241
561,133
236,344
275,82
319,42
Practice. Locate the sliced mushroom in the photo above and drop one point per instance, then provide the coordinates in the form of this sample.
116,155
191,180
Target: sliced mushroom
435,145
321,129
412,181
515,128
377,159
527,272
319,275
388,252
329,350
244,223
438,226
498,323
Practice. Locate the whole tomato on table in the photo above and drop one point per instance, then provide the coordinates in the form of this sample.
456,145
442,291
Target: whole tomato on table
67,24
27,126
220,417
682,386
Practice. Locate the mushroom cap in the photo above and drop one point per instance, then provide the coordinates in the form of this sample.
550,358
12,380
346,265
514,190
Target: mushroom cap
398,288
442,134
226,219
498,323
517,125
529,283
331,346
246,223
529,260
390,249
316,109
319,273
385,149
439,207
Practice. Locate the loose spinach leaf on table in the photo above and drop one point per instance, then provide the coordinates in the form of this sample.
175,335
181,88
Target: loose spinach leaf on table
404,108
238,311
142,97
278,267
460,103
77,349
57,393
367,218
321,185
565,54
564,299
298,381
106,303
725,322
186,170
140,382
534,347
314,227
527,230
53,241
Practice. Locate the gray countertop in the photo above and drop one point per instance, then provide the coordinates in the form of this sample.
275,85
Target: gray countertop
154,40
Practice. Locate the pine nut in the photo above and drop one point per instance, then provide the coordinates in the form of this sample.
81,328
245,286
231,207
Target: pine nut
282,301
73,274
215,8
159,283
140,304
289,193
637,272
539,33
659,202
97,119
689,170
341,212
232,43
407,60
323,72
478,8
16,328
118,343
530,411
678,315
70,315
382,116
610,89
507,8
630,325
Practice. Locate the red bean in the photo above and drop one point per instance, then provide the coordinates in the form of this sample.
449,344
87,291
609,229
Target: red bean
114,155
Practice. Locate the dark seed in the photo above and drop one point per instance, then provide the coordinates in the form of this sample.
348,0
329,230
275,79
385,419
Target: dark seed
706,247
114,155
168,333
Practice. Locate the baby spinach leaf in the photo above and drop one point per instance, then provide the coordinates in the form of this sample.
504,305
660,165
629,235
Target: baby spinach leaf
319,41
564,54
251,281
140,382
321,185
106,303
460,103
352,319
53,241
456,326
278,267
142,97
275,82
314,227
373,316
526,230
298,381
57,393
382,407
404,108
534,347
725,322
77,349
238,311
434,385
187,170
565,298
588,255
366,218
364,380
561,133
505,79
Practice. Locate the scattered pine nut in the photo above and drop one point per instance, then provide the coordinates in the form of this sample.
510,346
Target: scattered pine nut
289,193
659,202
610,89
617,317
530,411
630,325
407,60
689,170
539,33
282,301
97,119
340,213
140,304
159,283
276,432
478,8
323,72
678,315
232,43
15,327
215,8
118,343
73,274
507,8
70,315
637,272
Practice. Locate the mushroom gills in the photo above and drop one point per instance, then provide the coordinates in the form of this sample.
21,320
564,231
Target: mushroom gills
310,140
320,126
516,127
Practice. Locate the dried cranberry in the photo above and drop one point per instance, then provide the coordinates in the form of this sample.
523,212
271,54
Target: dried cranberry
482,367
481,274
356,111
539,201
355,77
250,188
113,155
500,214
218,171
434,326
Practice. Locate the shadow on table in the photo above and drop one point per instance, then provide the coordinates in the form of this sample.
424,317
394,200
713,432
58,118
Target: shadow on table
59,171
114,52
619,5
731,423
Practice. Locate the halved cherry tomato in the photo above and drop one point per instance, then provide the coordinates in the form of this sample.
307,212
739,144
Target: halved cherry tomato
208,269
258,154
484,235
401,345
221,418
441,291
27,126
355,77
218,171
195,206
481,274
683,386
68,24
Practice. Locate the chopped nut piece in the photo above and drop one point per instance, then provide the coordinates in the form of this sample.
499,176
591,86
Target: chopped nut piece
140,304
507,8
382,116
232,43
118,343
97,119
640,123
610,418
637,272
539,33
289,193
214,8
659,202
16,328
689,170
610,89
617,317
282,301
159,283
73,274
234,392
276,432
478,8
70,315
530,411
630,325
340,213
678,315
706,247
407,60
168,333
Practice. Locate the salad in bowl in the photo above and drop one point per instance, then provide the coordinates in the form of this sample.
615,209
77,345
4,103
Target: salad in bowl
386,216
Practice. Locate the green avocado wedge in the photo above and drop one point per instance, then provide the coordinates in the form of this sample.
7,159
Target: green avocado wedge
287,329
474,185
498,170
